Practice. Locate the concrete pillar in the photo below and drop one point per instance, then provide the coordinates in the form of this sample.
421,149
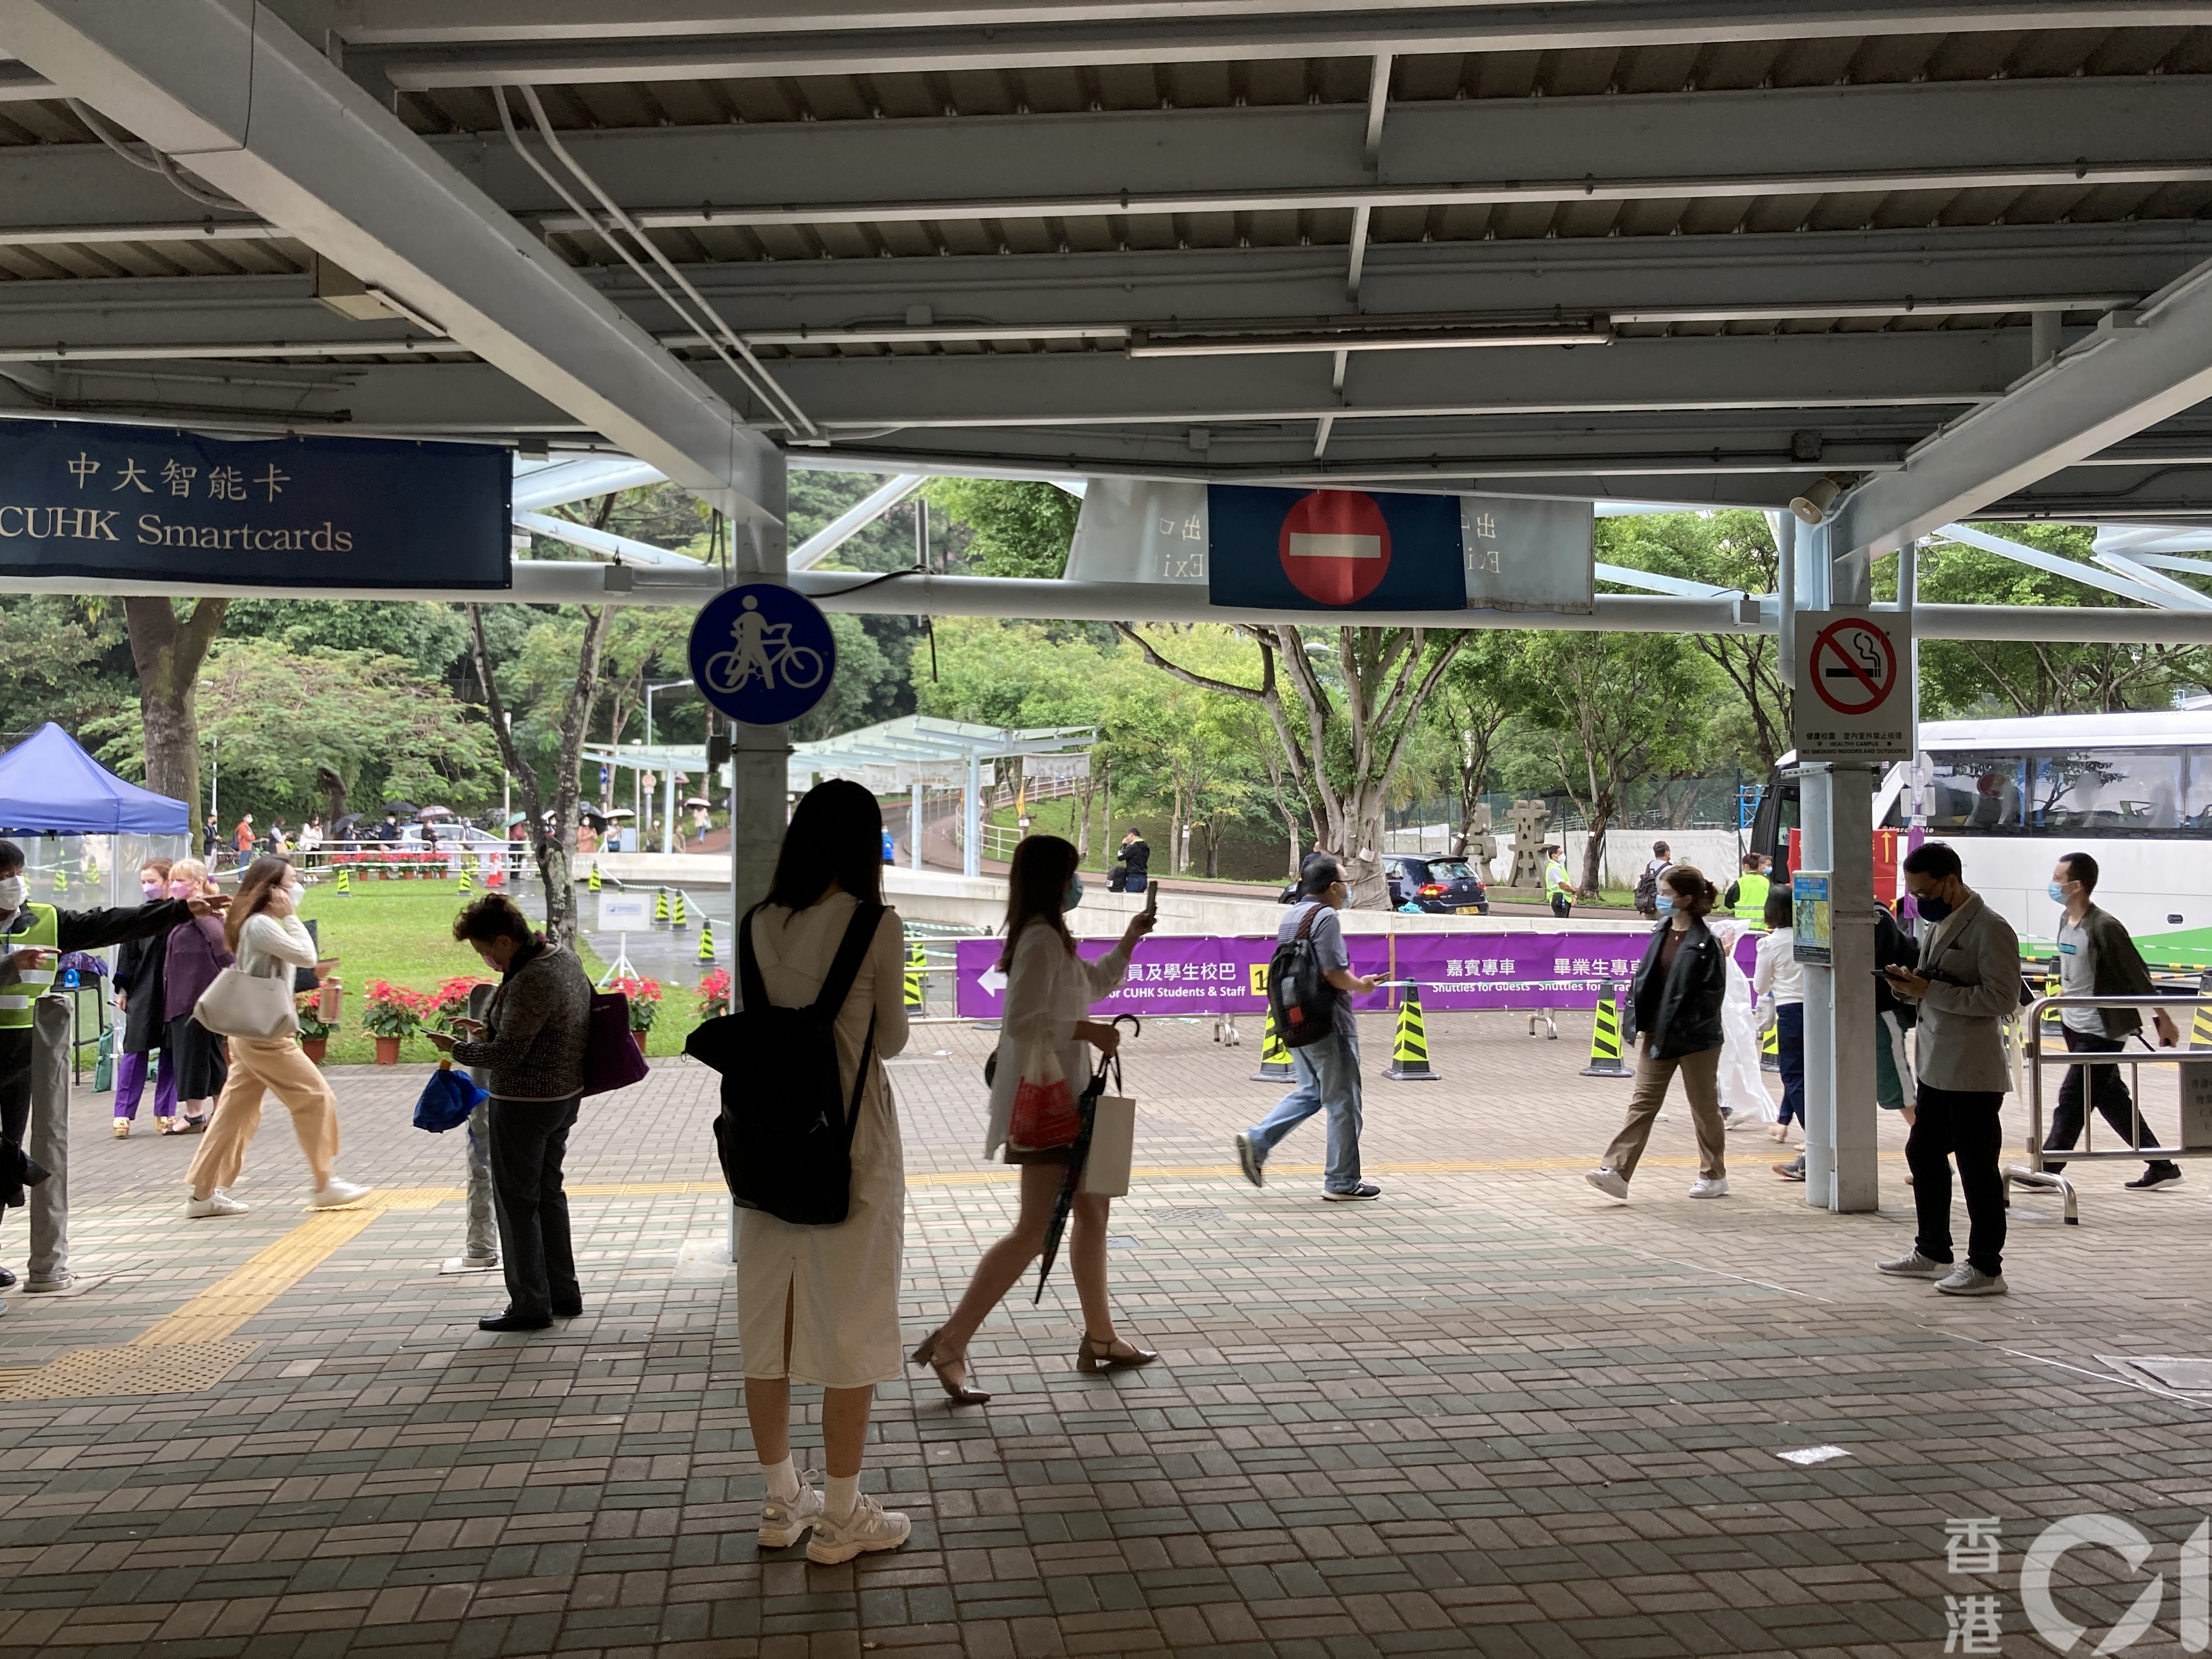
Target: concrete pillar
668,811
913,827
971,820
1850,801
53,1023
758,754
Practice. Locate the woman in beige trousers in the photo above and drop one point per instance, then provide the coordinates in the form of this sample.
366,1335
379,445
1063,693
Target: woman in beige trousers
266,937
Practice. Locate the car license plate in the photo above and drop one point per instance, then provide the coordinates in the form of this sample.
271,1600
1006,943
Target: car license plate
1470,910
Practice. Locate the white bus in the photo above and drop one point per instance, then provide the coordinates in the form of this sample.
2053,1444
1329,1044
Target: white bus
2133,791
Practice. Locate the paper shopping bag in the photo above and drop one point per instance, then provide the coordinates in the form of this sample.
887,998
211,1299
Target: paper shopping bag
1113,1144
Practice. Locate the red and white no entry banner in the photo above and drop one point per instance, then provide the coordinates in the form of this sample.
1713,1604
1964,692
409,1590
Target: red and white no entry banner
1335,545
1853,701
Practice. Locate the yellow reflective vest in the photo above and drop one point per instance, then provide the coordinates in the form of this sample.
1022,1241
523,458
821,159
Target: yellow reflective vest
44,930
1555,877
1751,897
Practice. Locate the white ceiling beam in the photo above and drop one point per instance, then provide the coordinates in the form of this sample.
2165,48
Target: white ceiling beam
623,550
340,173
2139,369
855,518
1652,582
577,478
1932,136
588,45
2178,595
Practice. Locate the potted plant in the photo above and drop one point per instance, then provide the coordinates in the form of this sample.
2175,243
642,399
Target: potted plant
715,994
315,1031
392,1016
644,996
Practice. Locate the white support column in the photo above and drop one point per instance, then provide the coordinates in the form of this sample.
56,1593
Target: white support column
913,827
668,808
759,754
1816,818
1850,802
971,820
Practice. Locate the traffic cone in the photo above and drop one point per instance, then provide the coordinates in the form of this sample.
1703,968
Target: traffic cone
593,880
1605,1038
660,908
706,939
917,978
467,885
1274,1055
2200,1027
1770,1047
1409,1051
345,880
61,882
676,919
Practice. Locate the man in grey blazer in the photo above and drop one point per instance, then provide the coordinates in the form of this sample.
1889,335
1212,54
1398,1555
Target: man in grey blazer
1967,984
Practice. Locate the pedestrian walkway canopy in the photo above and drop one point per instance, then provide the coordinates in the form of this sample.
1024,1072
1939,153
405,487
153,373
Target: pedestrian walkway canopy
916,749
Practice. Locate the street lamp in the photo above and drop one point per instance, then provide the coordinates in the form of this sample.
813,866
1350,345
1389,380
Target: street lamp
668,772
215,776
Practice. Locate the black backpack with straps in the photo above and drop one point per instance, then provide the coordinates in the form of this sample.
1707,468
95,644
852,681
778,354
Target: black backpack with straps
1299,994
785,1133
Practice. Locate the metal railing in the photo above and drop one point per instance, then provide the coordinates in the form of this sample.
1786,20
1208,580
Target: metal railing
2194,1075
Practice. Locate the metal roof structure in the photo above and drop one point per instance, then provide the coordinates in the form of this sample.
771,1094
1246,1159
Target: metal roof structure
887,757
1701,250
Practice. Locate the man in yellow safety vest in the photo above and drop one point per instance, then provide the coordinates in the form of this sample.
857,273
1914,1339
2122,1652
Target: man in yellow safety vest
32,937
1557,886
1746,897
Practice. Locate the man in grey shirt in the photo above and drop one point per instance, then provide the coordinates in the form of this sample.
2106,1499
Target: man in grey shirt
1968,983
2097,958
1327,1069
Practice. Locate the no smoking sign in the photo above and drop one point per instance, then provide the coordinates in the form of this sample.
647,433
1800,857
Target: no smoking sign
1853,702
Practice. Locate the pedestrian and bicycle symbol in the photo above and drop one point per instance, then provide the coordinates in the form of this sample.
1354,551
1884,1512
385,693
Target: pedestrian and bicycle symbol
763,654
1853,701
1854,666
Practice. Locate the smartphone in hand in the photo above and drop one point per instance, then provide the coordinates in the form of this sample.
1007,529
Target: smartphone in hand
1151,898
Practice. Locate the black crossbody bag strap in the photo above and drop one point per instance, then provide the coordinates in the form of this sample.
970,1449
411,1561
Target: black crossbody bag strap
852,951
751,992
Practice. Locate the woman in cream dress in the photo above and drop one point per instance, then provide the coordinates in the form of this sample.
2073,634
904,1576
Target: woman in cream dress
819,1304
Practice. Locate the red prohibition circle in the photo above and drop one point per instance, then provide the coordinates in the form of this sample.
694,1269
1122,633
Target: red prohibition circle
1863,691
1335,545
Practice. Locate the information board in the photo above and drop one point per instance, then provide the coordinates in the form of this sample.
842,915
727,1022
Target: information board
1811,920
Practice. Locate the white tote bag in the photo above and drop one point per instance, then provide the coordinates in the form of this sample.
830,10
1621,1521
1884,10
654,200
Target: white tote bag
243,1005
1112,1144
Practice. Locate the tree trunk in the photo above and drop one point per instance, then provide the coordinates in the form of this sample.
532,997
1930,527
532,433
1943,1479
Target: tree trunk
1603,809
334,795
168,650
1213,851
552,819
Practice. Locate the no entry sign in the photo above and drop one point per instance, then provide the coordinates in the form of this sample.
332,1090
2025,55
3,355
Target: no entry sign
1854,697
1335,546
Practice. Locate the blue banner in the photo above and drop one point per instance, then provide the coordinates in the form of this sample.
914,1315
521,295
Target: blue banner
109,502
1334,550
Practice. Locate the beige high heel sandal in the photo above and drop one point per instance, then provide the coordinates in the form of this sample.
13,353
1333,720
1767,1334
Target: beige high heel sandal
962,1392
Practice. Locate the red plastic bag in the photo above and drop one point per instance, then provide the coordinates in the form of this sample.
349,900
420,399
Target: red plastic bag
1044,1116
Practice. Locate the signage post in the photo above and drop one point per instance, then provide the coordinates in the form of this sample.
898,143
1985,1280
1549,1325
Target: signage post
1850,716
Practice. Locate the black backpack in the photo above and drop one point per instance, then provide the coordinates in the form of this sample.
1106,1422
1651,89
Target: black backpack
1646,896
1299,994
785,1133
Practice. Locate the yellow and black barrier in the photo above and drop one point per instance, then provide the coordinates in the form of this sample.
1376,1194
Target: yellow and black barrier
706,939
1770,1047
591,880
676,919
660,907
917,978
1409,1050
1274,1055
1605,1058
468,884
345,881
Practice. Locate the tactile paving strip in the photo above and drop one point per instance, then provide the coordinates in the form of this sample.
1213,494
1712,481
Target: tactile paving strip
179,1367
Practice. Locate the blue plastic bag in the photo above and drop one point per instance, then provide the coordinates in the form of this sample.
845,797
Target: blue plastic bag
448,1099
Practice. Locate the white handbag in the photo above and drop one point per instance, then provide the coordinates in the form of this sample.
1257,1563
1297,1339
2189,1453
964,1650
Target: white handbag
1112,1144
243,1005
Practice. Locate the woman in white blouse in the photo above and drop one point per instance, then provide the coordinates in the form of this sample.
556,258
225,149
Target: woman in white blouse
269,942
1049,990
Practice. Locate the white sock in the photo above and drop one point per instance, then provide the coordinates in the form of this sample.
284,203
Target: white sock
840,1493
782,1480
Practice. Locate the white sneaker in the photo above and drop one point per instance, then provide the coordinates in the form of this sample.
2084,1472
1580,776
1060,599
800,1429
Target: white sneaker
222,1203
783,1519
1970,1281
869,1526
1709,1187
1609,1182
338,1194
1915,1266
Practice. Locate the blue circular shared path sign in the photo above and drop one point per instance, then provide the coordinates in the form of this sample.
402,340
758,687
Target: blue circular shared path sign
763,654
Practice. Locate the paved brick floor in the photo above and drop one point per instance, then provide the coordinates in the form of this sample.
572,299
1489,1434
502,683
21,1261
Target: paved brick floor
1490,1414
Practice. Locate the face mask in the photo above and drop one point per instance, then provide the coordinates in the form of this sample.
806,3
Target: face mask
1666,904
180,889
1073,895
1934,909
11,893
152,890
2057,892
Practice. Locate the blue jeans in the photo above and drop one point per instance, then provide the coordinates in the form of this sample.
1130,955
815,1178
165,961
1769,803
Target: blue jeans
1789,1049
1328,1079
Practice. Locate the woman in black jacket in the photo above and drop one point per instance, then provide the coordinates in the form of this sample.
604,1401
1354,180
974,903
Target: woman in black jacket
1675,1000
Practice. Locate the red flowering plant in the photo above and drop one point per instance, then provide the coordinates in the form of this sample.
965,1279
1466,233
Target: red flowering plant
715,993
393,1010
644,996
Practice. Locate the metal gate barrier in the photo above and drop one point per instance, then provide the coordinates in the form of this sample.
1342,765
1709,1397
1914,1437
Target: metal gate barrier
2194,1070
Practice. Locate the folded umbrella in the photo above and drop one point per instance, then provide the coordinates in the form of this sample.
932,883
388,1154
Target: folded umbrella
1078,1155
448,1099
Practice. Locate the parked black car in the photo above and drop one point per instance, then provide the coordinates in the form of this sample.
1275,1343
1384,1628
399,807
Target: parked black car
1440,886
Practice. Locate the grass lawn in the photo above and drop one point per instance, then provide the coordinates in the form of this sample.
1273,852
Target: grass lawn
402,931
